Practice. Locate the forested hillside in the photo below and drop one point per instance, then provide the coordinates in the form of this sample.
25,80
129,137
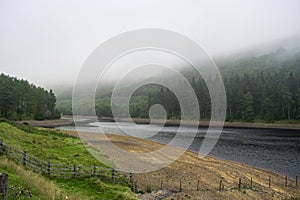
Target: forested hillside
265,87
21,100
258,96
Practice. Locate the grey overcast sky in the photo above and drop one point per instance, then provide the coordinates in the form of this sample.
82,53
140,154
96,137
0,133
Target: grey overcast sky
46,42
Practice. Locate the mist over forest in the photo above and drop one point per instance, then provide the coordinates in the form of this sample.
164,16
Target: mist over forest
259,86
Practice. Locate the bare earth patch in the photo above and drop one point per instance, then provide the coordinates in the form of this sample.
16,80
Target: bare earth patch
190,170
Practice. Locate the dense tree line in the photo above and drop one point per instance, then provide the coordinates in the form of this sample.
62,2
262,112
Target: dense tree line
264,96
265,87
258,88
256,96
167,99
138,107
21,100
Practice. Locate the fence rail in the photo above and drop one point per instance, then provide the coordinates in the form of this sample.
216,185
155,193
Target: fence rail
58,170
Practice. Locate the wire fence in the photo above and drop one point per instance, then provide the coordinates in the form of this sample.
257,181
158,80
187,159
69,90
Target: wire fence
64,170
182,183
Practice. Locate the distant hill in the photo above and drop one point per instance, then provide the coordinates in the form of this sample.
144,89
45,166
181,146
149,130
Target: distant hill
278,61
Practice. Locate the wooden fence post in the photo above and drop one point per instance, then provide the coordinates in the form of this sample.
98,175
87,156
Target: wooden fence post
286,181
24,158
113,175
221,182
135,187
180,185
251,182
49,169
74,171
130,177
161,184
131,181
3,184
1,146
269,181
198,185
240,183
94,170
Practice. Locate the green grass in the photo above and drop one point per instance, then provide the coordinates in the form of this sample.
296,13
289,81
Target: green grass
48,145
56,147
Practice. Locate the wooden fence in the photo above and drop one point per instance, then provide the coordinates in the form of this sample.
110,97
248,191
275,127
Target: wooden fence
62,170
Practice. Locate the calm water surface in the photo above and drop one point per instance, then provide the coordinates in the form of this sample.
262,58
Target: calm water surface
275,150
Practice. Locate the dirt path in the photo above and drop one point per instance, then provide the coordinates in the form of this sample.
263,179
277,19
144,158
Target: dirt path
190,169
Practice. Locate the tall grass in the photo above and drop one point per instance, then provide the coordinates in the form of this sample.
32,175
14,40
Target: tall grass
44,188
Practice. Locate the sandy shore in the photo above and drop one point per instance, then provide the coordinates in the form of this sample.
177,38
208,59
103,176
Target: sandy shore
190,169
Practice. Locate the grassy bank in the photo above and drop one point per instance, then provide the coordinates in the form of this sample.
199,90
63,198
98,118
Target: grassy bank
56,147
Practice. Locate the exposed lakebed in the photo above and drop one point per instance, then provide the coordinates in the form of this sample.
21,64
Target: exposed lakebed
270,149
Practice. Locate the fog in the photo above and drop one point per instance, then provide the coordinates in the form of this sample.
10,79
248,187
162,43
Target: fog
46,42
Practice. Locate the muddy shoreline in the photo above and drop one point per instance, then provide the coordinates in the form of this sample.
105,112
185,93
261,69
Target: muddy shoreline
205,124
68,120
208,171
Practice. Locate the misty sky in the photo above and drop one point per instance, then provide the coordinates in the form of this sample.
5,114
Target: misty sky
46,42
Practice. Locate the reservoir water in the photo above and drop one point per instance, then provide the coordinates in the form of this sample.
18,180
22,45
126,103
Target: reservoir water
275,150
